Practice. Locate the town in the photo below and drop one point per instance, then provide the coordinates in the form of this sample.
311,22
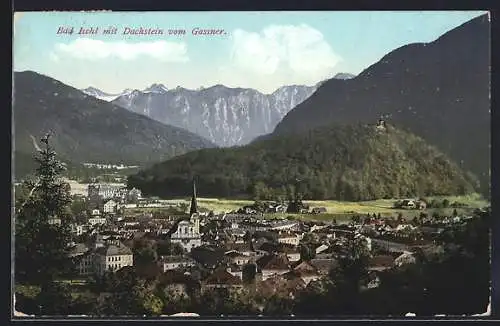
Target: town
313,165
194,251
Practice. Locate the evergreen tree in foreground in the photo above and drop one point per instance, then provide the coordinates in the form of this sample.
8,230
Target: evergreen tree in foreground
41,248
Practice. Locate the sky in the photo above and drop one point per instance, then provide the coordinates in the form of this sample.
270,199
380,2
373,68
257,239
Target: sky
260,50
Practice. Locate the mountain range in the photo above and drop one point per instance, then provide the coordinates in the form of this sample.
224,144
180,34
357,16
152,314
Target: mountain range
87,129
438,90
227,116
102,95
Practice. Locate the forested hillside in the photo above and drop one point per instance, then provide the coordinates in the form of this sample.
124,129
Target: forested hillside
351,162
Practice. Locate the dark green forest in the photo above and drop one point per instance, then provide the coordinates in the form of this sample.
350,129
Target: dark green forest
343,162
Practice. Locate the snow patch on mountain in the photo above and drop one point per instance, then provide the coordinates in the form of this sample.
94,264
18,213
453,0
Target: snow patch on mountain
97,93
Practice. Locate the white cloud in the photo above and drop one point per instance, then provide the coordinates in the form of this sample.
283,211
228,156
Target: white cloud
54,57
90,49
284,53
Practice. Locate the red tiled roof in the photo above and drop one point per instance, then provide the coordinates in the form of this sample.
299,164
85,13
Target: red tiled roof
273,262
281,284
175,277
305,269
221,276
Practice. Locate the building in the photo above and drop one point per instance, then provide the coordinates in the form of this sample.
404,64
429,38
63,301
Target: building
78,229
284,225
285,286
175,262
319,210
110,207
292,252
404,259
134,195
222,279
235,270
289,238
409,204
111,256
381,126
187,234
306,271
236,258
272,265
97,219
54,221
104,190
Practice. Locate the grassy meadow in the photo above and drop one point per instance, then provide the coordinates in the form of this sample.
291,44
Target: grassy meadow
340,210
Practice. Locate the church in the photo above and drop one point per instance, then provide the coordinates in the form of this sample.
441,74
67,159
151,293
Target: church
188,232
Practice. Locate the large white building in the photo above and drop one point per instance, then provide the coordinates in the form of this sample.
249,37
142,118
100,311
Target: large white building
105,190
289,238
108,256
110,207
188,232
175,262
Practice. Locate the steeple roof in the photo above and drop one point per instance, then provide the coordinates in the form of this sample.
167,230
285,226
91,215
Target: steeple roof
194,204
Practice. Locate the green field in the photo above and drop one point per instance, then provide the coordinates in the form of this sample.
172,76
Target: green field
340,210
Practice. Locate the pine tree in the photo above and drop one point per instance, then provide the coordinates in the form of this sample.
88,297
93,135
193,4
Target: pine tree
41,248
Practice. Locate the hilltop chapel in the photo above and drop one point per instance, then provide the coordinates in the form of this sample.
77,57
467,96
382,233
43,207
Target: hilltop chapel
188,232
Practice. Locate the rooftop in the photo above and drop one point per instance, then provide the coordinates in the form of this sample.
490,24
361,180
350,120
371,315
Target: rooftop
114,250
273,262
221,276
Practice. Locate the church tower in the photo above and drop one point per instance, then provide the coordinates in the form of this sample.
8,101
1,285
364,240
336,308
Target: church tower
194,204
193,211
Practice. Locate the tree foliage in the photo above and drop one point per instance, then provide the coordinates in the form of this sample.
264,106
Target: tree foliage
337,162
41,248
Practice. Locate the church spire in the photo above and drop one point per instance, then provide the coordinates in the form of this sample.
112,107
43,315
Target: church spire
194,205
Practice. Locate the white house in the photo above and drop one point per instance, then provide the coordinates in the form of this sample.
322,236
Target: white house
293,256
188,233
110,206
97,220
237,258
290,238
405,258
104,190
111,256
321,248
78,229
175,262
284,225
54,221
